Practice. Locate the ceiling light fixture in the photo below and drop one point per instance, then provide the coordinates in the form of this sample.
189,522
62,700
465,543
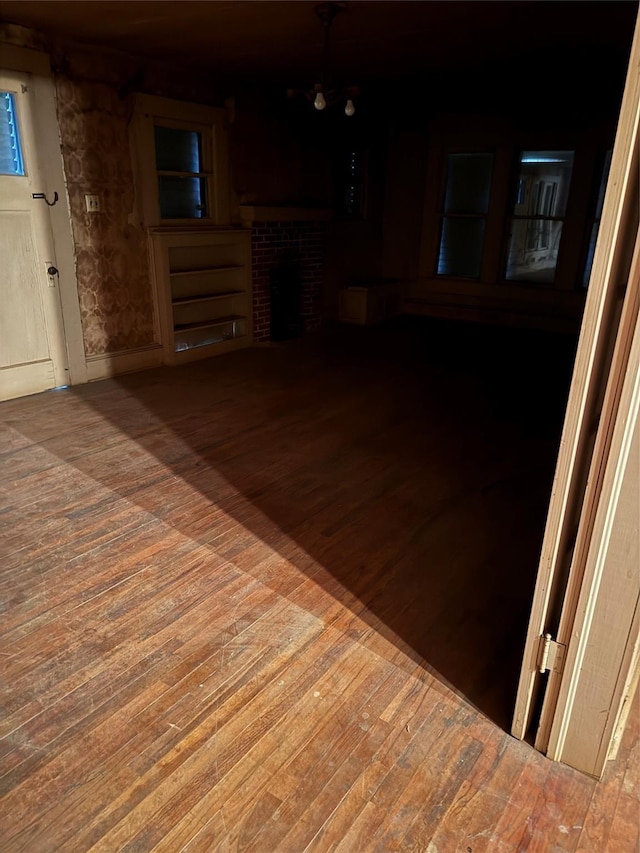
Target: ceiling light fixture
323,94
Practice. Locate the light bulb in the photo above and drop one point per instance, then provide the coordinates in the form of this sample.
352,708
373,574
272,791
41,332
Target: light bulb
319,102
349,110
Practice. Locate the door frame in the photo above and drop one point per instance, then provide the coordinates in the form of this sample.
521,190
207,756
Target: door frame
37,64
603,653
568,586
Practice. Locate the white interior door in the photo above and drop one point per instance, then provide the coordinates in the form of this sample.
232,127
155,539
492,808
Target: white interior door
578,568
32,344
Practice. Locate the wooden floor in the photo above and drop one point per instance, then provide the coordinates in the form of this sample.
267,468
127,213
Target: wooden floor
275,601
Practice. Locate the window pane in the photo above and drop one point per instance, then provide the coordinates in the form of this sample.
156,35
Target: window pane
11,162
182,198
590,253
468,183
597,214
461,243
178,150
533,250
603,184
543,185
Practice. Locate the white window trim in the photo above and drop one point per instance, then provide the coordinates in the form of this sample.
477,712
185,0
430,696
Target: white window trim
151,109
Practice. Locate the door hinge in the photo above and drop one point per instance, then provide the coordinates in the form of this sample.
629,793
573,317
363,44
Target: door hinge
550,654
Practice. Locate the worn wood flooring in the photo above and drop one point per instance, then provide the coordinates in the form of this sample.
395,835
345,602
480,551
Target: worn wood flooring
275,601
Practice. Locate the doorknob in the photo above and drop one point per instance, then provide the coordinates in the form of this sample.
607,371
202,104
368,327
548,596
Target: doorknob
52,273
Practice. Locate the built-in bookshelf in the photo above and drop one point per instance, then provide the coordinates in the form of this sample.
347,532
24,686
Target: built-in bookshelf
203,280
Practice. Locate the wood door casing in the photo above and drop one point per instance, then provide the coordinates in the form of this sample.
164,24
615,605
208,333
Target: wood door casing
598,678
600,367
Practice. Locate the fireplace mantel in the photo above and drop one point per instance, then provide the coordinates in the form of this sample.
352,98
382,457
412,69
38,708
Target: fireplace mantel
258,213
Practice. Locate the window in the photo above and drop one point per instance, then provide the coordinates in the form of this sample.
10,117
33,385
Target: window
464,213
538,215
507,219
594,226
182,178
182,162
11,162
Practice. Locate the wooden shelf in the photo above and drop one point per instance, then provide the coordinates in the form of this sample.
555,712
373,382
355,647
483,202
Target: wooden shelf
209,324
186,300
175,273
204,289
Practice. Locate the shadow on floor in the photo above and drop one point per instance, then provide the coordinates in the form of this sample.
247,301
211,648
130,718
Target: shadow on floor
406,468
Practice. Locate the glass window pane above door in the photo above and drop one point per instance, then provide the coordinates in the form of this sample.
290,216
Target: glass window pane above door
11,161
468,183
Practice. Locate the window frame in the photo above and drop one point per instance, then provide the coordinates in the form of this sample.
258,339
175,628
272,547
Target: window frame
448,134
441,214
510,217
453,135
152,110
17,136
206,164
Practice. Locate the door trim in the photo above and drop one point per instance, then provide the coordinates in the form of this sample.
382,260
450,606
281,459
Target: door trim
575,497
603,653
37,65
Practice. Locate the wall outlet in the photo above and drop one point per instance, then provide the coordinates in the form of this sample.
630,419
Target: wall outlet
92,202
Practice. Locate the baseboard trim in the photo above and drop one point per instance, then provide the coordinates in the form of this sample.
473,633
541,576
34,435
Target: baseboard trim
112,364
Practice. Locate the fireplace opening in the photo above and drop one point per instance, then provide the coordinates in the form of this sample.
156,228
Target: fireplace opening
286,300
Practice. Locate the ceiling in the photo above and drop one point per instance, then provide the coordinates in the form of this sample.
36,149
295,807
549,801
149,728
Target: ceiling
275,40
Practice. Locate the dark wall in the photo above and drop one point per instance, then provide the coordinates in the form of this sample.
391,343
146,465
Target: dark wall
278,154
572,94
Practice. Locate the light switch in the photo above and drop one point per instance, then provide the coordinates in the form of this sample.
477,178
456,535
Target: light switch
92,202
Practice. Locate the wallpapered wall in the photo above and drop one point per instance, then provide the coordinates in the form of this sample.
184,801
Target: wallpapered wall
114,286
113,275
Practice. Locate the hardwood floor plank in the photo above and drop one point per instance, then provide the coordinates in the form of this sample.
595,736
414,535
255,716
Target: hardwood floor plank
273,755
243,607
320,764
559,808
414,704
477,806
516,826
624,827
183,788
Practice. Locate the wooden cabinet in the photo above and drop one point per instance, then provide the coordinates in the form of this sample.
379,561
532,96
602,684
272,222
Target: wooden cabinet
203,285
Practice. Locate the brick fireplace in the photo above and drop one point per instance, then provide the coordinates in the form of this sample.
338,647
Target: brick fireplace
287,245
